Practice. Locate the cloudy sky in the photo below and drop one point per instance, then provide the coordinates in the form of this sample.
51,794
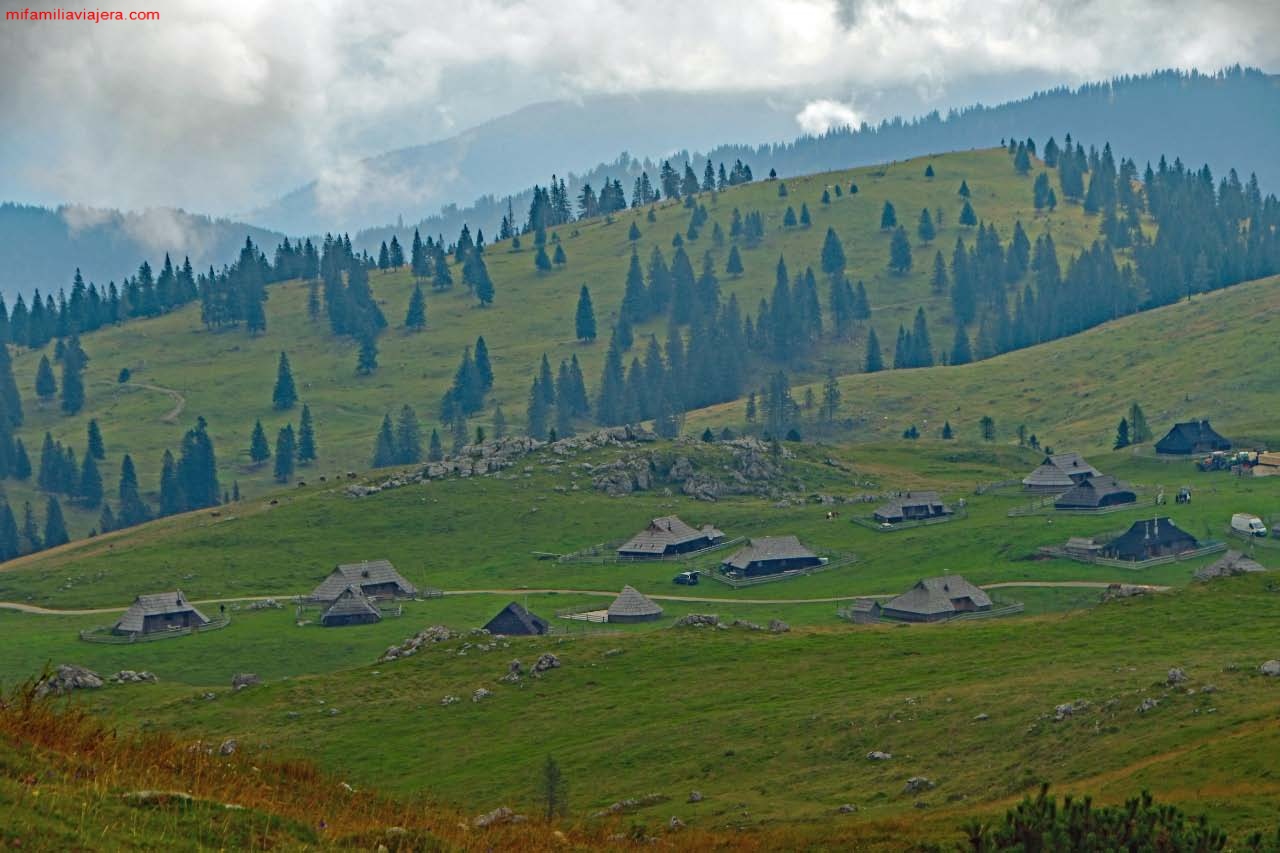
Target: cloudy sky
221,106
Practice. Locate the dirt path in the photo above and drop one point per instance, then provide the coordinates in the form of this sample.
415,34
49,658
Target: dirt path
46,611
179,401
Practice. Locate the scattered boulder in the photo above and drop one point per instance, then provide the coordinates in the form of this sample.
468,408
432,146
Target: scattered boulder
1177,675
449,700
500,815
675,824
229,746
877,755
698,620
427,636
695,796
481,694
1208,688
916,784
266,604
982,718
743,623
241,680
847,808
68,677
515,670
777,626
631,804
1123,590
546,661
1148,704
1271,667
128,676
1069,709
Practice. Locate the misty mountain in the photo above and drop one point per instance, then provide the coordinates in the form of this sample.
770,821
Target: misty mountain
512,152
43,247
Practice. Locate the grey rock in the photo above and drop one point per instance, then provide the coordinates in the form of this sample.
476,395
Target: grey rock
546,661
481,694
449,700
982,718
675,824
777,626
1148,704
1069,709
241,680
128,676
229,746
916,784
698,620
877,755
695,796
1177,675
1271,667
501,814
847,808
66,678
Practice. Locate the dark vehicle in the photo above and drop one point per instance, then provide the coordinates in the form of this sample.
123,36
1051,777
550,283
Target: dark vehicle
686,578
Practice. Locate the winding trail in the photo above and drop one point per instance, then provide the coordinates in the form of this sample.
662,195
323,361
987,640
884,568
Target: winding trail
179,401
724,599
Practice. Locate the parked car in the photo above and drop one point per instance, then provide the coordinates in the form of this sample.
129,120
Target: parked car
687,578
1251,525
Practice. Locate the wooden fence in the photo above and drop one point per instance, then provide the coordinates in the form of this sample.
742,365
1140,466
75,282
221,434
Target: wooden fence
1045,506
103,634
850,615
870,523
1202,551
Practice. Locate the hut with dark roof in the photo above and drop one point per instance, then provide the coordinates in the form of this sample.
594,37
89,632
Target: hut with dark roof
935,599
375,578
1058,473
912,506
352,607
165,611
1145,540
864,611
770,555
1096,493
1230,564
632,606
514,621
666,536
1192,437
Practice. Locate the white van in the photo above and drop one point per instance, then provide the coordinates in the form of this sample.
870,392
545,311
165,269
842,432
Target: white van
1243,522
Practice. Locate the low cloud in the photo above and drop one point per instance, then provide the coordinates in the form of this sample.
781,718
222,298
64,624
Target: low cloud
824,114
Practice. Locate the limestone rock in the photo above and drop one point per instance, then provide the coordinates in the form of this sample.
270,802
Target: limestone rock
1271,667
877,755
241,680
68,677
916,784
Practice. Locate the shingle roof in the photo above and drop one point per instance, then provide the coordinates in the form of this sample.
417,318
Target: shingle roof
533,624
768,548
1092,491
630,602
1186,436
371,573
932,596
667,532
894,506
1058,470
1231,563
351,602
157,604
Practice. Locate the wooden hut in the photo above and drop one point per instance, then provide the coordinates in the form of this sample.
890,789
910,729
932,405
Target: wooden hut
514,621
935,599
375,578
1192,437
770,555
351,607
632,606
864,611
912,506
666,536
165,611
1058,473
1145,540
1096,493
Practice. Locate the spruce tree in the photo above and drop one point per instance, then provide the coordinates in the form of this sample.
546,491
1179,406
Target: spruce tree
938,281
10,544
960,350
921,346
900,252
286,450
964,189
967,217
541,262
367,360
585,319
559,258
384,448
1139,432
9,396
875,358
21,468
46,384
285,394
833,257
499,424
805,219
925,229
90,489
635,299
73,364
132,509
830,397
172,499
789,218
55,526
483,367
537,411
634,233
733,266
408,440
306,437
107,519
198,468
888,217
947,433
30,530
96,449
1122,435
435,452
259,450
415,319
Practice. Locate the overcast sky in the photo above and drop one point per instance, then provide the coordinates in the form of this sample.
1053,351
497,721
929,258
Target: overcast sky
221,106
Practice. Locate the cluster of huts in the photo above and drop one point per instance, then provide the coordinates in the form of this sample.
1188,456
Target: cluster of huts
1077,484
1147,539
670,536
929,600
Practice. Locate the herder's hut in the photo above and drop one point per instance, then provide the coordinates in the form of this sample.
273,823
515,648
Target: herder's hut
912,506
352,607
375,579
1145,540
770,555
1096,493
165,611
666,536
1058,473
632,606
1192,437
935,599
514,621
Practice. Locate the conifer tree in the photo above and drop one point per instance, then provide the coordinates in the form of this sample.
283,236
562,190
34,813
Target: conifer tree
30,530
928,171
634,233
635,299
90,489
805,220
107,519
172,499
925,230
198,468
826,196
921,346
537,411
367,360
960,350
384,257
967,217
833,257
830,397
415,319
73,365
285,394
888,217
938,281
259,450
46,384
1139,432
541,262
499,424
306,437
408,439
584,321
21,468
900,252
132,509
789,218
435,451
947,433
55,526
1122,435
987,426
733,266
559,258
964,189
875,358
384,448
611,403
286,450
483,368
10,544
396,255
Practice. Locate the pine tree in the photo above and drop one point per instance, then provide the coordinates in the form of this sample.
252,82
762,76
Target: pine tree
925,229
198,467
961,353
408,440
435,451
21,468
132,509
499,424
900,252
90,489
559,258
537,411
107,519
384,448
259,450
73,364
286,450
964,189
789,218
1122,435
888,217
733,266
634,233
172,499
367,360
967,217
988,428
541,262
306,437
483,368
805,219
55,526
830,397
1139,432
285,394
46,384
9,396
30,530
415,319
875,358
833,257
585,318
938,281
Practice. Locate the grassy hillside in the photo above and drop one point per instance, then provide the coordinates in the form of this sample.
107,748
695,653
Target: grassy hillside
227,376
